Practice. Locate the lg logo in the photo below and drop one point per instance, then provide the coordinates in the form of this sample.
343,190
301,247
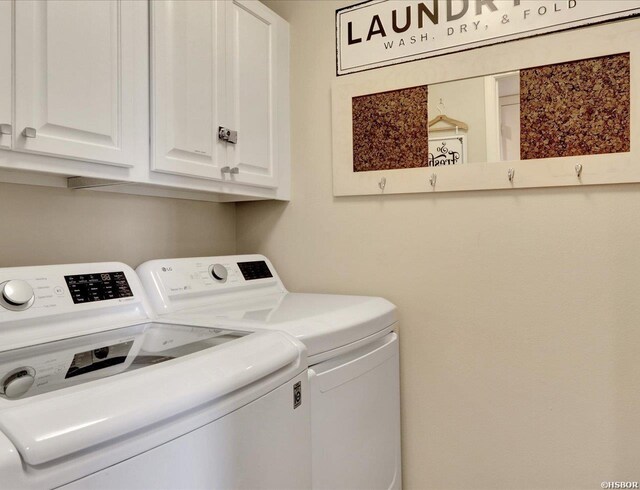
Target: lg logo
297,395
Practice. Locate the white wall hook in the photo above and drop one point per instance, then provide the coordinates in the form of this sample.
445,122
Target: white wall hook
383,183
510,174
432,180
578,168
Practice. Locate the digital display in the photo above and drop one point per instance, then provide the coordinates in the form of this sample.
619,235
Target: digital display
99,286
257,269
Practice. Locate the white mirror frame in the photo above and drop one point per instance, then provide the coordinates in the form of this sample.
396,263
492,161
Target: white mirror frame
578,44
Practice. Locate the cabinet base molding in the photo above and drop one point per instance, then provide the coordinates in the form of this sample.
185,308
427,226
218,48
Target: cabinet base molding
90,182
159,191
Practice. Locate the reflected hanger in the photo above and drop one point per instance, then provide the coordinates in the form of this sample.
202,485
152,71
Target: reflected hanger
442,118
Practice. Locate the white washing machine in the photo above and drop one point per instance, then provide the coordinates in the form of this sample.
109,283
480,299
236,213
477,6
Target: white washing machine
352,349
93,394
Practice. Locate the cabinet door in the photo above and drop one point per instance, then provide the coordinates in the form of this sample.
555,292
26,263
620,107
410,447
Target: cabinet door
6,22
187,72
81,73
257,75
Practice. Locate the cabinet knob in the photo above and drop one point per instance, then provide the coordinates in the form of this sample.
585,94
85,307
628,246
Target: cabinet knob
29,132
226,134
5,128
230,170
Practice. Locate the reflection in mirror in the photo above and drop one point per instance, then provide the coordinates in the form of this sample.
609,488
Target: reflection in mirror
568,109
490,106
461,100
502,116
509,115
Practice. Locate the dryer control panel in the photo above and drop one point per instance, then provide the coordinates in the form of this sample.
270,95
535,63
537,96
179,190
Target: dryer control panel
176,283
180,276
254,269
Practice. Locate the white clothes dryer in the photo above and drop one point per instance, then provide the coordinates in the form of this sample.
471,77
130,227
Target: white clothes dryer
94,394
351,344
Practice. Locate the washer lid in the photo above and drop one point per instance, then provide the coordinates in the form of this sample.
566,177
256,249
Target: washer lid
323,322
199,369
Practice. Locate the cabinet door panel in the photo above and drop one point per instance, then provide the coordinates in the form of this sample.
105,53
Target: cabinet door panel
187,87
252,82
80,80
5,73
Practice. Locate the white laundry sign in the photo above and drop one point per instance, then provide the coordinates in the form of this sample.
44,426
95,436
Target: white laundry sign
378,33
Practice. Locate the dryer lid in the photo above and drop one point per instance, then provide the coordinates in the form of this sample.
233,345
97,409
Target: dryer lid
323,322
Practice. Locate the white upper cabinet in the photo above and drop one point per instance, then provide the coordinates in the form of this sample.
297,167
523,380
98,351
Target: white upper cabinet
187,52
220,64
134,91
5,73
81,80
257,68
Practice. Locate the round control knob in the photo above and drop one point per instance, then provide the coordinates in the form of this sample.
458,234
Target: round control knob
218,272
16,295
18,383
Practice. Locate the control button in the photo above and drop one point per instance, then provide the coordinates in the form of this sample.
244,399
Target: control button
18,383
16,295
218,272
58,291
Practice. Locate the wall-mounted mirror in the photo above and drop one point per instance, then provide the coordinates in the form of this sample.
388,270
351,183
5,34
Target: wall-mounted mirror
568,109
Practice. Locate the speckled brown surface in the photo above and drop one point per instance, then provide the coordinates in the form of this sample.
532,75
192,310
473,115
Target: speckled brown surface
390,130
576,108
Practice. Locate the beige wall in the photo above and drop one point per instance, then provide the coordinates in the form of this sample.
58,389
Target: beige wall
520,314
41,225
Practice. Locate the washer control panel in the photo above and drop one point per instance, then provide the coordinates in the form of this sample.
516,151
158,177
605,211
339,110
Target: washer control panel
98,286
34,294
39,296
